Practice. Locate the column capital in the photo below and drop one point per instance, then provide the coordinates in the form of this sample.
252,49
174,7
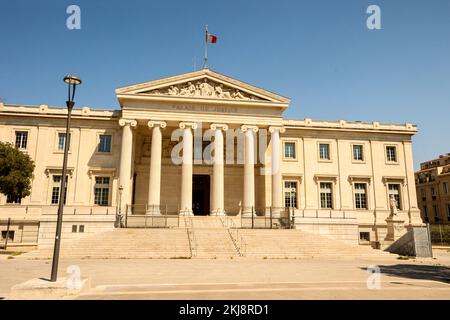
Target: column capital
126,122
153,123
245,127
219,126
184,125
279,128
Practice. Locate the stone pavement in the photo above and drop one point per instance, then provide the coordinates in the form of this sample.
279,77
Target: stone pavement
246,278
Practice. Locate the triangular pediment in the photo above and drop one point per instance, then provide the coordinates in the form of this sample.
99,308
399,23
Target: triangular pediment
202,84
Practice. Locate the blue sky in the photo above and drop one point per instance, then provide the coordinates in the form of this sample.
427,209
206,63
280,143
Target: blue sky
319,53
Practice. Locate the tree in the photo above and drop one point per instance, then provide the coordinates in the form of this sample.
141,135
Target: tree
16,172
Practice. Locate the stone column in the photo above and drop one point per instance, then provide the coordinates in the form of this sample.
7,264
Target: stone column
125,163
154,184
186,168
248,202
277,180
218,203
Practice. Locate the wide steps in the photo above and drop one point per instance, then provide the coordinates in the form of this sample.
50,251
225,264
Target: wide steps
214,243
204,237
123,243
300,244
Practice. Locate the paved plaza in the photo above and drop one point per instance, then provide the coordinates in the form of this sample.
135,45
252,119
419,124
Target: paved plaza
246,278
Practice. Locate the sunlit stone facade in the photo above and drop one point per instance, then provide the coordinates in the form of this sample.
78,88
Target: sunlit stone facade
336,176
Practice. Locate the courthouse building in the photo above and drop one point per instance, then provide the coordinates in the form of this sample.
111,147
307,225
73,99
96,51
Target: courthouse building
335,176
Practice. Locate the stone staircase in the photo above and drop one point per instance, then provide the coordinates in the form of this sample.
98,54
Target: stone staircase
283,243
123,243
211,239
205,238
214,243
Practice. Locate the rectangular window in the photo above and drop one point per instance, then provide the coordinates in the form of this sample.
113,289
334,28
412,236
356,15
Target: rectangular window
290,194
74,228
105,143
358,152
424,194
81,228
62,140
360,196
445,186
10,235
364,236
436,212
425,212
324,151
394,189
326,196
289,150
101,191
433,191
10,199
448,211
56,190
21,139
391,154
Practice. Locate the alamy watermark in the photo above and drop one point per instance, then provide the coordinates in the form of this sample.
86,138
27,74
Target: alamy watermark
374,20
73,21
234,143
73,277
374,279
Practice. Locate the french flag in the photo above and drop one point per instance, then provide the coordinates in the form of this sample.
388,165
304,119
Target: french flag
210,38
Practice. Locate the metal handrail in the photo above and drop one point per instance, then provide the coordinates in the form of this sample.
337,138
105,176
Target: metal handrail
164,209
238,240
269,218
189,223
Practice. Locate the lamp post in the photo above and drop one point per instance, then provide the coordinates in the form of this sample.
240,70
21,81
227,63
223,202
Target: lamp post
72,82
292,206
119,216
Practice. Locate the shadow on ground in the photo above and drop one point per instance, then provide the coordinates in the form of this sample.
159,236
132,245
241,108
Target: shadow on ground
418,272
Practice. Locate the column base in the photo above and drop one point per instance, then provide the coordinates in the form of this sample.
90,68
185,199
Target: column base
153,210
274,212
186,213
218,213
248,214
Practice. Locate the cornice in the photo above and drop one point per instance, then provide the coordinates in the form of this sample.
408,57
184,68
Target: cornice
342,125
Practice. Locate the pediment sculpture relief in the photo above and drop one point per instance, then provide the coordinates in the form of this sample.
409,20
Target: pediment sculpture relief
204,89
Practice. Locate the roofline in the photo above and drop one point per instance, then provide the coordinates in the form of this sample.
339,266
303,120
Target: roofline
343,125
437,159
58,112
301,124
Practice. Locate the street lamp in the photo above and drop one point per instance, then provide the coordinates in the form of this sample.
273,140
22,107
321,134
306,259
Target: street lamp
72,82
119,215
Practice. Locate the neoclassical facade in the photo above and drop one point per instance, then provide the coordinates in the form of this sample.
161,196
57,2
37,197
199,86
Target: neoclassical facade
203,143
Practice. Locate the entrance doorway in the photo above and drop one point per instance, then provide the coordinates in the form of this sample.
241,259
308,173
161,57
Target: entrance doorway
200,194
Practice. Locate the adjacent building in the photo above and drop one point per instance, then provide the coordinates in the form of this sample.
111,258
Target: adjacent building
153,156
433,190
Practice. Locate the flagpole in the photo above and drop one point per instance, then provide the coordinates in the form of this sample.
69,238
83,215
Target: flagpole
205,64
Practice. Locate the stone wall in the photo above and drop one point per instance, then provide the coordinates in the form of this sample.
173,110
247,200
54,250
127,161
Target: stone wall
92,224
345,230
